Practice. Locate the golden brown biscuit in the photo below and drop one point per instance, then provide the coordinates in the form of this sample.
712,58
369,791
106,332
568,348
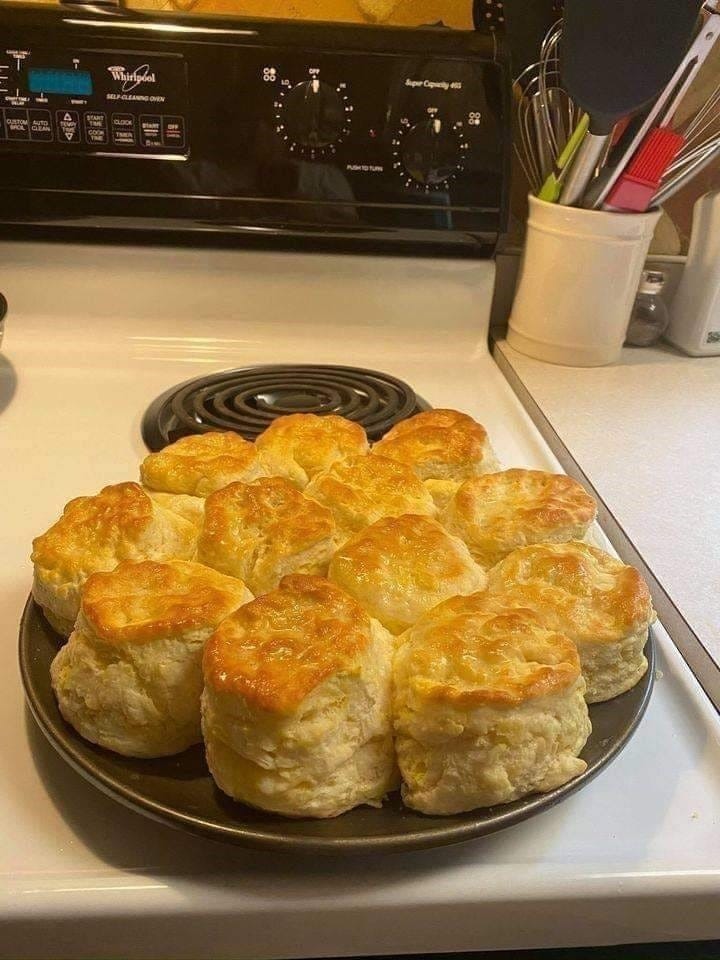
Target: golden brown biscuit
400,567
603,605
96,533
130,677
302,445
488,707
296,706
499,512
365,489
442,492
264,530
189,508
440,445
199,465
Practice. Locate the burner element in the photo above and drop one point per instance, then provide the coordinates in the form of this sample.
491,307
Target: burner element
247,400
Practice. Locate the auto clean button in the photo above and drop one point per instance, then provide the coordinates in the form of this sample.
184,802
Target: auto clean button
124,132
151,131
96,128
68,126
40,125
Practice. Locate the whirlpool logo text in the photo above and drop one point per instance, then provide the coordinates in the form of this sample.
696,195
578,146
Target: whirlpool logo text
132,78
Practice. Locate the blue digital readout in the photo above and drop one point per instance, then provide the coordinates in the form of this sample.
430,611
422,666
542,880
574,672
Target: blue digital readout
69,82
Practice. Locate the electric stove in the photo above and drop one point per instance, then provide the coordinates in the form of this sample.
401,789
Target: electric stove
94,335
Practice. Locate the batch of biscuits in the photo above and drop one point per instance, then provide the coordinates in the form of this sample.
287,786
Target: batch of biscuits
335,620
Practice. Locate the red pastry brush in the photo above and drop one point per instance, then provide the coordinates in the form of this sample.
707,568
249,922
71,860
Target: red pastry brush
636,185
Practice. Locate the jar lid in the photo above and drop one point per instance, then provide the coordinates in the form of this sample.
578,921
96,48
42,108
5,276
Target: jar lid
652,281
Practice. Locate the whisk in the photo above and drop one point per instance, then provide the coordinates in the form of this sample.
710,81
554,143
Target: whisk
702,145
545,116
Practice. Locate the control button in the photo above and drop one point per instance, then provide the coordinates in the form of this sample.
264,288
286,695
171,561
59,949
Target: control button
41,127
430,152
96,128
16,122
314,114
3,131
151,131
123,130
68,126
173,131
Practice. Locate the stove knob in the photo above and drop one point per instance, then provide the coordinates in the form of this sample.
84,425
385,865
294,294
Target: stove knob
314,114
430,152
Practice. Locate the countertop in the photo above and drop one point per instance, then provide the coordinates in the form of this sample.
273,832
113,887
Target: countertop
646,433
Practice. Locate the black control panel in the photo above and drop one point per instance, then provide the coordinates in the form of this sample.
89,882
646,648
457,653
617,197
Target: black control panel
121,119
82,101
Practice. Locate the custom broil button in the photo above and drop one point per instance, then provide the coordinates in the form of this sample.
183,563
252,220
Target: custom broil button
96,128
68,126
150,131
16,123
173,131
123,130
3,130
41,127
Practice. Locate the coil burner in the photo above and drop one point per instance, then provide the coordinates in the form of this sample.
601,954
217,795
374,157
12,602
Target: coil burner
248,399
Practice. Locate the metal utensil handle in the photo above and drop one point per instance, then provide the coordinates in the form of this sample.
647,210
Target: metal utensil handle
668,99
670,188
583,167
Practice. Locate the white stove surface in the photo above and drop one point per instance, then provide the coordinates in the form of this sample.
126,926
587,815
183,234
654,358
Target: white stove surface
93,335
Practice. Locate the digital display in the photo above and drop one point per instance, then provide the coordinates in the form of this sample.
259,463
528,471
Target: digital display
51,80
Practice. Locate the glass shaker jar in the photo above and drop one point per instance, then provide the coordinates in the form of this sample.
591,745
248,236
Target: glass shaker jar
650,316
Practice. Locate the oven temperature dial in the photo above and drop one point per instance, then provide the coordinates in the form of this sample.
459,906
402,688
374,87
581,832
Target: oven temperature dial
429,153
312,117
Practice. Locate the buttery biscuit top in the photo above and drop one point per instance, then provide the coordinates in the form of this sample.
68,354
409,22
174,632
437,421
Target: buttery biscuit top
301,445
199,465
94,531
439,444
364,489
142,601
576,587
499,511
472,652
276,650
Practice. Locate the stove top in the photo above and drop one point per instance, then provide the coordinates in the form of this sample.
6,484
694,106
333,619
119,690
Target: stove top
248,399
633,857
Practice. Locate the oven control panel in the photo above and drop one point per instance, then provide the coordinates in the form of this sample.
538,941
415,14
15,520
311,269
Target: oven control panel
87,101
261,126
415,126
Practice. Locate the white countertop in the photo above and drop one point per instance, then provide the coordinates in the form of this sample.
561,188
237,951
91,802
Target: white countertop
646,432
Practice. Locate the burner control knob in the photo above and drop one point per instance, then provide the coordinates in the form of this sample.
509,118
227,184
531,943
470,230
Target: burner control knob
314,114
430,152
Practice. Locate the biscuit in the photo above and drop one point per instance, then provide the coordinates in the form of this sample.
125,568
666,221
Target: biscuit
130,676
440,445
199,465
400,567
603,605
296,705
499,512
264,530
488,707
95,534
365,489
302,445
442,492
189,508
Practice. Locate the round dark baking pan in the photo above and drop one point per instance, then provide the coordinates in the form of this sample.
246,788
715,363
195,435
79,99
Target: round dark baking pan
178,790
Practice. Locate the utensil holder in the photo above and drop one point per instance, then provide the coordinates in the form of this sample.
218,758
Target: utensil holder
578,280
